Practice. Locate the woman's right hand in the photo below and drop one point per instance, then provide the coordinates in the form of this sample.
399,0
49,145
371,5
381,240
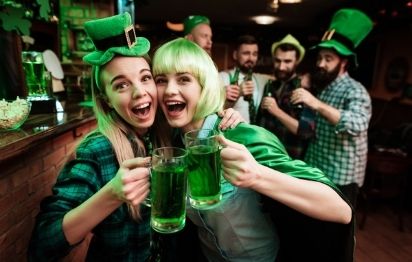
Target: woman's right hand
131,183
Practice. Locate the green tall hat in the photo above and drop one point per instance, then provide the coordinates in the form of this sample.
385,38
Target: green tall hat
346,31
114,35
192,21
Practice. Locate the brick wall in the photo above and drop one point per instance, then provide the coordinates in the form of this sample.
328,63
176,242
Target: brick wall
24,181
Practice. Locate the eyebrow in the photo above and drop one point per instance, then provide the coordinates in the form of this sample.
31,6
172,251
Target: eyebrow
123,76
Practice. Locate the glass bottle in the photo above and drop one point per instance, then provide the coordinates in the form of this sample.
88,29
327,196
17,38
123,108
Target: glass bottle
248,77
234,80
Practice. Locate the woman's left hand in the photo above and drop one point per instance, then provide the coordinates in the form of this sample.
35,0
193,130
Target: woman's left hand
231,118
239,166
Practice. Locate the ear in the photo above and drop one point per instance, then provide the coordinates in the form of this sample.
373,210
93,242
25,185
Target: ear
234,55
189,37
344,64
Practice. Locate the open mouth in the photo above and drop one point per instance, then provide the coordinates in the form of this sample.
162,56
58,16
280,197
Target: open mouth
142,110
175,107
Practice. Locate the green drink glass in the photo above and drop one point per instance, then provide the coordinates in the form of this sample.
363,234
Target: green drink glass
204,168
33,67
168,189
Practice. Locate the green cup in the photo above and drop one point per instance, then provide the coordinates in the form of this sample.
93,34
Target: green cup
168,189
33,67
204,168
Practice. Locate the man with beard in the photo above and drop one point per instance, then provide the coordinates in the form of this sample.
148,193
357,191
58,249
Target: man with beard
342,104
197,29
244,88
292,124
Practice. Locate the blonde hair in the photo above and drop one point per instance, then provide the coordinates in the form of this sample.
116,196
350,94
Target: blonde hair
183,56
125,142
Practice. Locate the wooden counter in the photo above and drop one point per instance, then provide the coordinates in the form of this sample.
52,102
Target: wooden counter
41,127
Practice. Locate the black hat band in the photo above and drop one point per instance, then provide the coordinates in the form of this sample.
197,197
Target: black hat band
126,39
332,34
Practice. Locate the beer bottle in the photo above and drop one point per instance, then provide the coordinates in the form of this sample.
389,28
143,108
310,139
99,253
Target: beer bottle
264,118
296,84
248,77
234,80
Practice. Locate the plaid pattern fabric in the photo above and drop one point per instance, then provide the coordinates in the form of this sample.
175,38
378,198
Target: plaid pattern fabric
295,144
341,150
117,238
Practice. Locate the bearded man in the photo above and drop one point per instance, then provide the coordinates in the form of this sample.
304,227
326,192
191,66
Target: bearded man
342,104
243,86
293,124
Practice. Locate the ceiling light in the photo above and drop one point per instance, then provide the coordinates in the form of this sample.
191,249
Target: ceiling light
174,27
290,1
264,19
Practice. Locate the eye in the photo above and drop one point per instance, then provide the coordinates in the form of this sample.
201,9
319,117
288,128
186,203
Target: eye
121,85
147,77
184,79
160,80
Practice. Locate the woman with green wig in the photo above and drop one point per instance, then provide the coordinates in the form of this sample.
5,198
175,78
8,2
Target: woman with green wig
254,163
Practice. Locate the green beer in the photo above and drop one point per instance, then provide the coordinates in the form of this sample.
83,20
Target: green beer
204,176
34,78
34,71
168,197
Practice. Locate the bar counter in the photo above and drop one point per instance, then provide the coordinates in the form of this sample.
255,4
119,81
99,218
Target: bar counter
72,112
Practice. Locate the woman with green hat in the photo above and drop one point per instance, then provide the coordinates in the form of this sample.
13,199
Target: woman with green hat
101,190
254,162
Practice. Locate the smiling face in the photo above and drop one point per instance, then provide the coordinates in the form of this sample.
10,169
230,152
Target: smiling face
130,90
178,94
246,56
285,63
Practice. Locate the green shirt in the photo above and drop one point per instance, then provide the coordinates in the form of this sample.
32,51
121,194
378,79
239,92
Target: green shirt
117,238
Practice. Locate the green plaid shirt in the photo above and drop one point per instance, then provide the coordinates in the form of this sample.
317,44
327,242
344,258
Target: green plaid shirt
341,150
117,238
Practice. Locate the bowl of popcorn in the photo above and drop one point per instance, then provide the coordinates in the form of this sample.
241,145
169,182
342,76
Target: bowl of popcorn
13,113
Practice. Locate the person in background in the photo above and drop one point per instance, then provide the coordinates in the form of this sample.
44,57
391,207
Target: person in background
197,29
343,105
253,160
101,189
292,124
244,88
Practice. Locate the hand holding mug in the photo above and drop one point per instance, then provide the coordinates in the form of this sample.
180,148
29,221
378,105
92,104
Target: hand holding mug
238,165
131,183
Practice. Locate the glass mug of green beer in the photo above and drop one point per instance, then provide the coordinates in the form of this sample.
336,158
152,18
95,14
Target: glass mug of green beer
204,168
34,72
168,189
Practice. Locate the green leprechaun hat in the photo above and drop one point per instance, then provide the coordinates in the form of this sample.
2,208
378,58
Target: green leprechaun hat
192,21
114,35
289,39
347,30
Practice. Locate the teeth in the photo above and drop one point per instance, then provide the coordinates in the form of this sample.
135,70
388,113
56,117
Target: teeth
143,106
173,103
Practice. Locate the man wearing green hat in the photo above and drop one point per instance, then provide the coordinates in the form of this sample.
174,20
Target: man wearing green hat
292,124
343,104
197,29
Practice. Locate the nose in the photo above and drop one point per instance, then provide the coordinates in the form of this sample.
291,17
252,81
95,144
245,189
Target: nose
320,63
209,40
171,88
138,91
282,66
